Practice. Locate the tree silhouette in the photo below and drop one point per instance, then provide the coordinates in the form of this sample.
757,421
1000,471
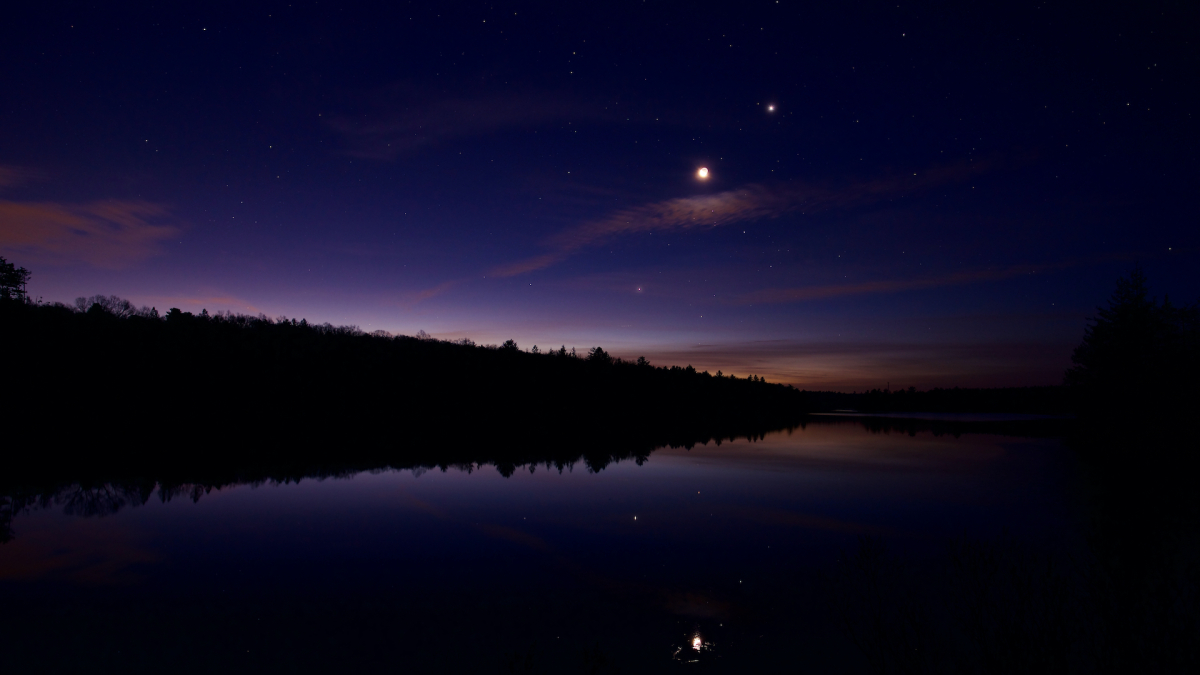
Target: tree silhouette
599,356
13,280
1137,355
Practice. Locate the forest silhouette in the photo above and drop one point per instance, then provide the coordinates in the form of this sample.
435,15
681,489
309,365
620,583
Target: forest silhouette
201,402
105,368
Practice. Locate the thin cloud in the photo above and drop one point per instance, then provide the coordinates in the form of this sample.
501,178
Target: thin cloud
421,121
100,553
883,286
748,203
401,118
428,293
109,233
11,176
789,295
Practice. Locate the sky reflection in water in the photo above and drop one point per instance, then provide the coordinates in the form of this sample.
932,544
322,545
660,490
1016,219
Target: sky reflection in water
434,570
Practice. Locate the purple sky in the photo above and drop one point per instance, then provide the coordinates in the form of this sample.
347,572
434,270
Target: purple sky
921,196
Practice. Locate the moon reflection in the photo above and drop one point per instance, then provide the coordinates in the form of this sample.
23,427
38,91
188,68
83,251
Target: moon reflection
695,648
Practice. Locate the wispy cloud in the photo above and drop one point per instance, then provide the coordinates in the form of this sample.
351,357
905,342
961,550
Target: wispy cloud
109,233
103,551
413,120
428,293
748,203
788,295
883,286
11,176
403,118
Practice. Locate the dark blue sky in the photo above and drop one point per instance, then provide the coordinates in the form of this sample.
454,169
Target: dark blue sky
939,196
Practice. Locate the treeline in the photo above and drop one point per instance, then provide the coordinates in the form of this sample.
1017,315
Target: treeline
105,369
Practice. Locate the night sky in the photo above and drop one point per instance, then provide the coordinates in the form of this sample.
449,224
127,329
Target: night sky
897,193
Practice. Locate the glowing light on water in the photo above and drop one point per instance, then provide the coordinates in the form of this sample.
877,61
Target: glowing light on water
698,651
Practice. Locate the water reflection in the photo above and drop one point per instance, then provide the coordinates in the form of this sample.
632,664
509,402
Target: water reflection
694,649
102,489
569,564
90,490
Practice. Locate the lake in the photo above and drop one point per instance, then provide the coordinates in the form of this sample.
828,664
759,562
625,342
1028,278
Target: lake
732,548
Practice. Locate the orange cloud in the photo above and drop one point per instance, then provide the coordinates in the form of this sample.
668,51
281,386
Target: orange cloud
13,175
752,202
84,551
108,233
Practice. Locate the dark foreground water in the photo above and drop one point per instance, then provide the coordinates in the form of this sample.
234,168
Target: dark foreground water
542,571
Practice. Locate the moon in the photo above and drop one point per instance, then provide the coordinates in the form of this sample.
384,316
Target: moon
702,174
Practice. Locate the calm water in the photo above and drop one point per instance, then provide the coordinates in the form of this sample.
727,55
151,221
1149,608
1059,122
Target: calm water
543,571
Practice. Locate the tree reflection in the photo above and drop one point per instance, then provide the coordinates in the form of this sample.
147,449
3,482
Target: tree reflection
91,490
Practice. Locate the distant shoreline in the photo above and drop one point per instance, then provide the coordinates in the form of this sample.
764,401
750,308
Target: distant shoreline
947,416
